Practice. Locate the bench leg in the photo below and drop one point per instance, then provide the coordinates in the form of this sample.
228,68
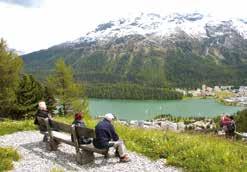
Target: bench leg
45,138
106,155
51,145
84,157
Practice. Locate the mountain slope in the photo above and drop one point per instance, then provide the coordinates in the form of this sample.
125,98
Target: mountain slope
184,50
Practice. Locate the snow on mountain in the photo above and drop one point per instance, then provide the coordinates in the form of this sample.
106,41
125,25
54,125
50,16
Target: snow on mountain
195,25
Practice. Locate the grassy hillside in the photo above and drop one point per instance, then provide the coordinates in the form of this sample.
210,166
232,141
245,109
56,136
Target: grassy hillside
192,152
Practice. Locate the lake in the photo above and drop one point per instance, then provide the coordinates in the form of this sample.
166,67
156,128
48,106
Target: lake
147,109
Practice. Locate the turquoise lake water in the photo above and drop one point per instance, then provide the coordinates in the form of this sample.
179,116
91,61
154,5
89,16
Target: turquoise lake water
147,109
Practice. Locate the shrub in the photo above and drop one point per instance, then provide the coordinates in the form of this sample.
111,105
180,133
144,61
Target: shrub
241,120
7,156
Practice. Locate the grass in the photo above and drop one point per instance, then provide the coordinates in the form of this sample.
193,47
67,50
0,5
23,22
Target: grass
11,126
7,156
222,95
192,152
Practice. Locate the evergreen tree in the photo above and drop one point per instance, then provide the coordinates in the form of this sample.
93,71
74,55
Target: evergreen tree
29,93
10,67
241,121
64,86
49,99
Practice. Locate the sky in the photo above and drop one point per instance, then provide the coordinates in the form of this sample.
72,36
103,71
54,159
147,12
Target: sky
31,25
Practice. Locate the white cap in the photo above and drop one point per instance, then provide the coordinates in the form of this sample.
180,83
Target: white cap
109,116
42,105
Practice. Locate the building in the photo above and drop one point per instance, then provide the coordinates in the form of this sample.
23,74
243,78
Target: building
217,88
195,93
228,87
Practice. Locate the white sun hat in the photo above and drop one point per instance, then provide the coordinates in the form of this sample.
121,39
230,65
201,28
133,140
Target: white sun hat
109,116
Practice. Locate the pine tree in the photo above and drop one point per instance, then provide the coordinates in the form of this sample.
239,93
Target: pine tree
49,99
10,68
64,86
29,93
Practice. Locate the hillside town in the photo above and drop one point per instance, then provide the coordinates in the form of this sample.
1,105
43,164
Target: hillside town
232,95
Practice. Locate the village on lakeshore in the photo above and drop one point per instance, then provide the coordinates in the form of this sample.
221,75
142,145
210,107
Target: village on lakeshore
232,95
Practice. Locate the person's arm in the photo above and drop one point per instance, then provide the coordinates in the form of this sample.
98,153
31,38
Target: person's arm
114,135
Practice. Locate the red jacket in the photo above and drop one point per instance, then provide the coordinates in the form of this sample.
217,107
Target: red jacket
225,120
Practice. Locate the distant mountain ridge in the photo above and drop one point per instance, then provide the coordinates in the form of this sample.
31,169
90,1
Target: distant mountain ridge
183,50
17,51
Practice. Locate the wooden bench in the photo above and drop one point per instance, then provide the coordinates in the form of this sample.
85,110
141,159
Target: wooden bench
61,133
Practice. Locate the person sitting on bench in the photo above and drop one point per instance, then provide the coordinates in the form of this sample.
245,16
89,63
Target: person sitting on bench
227,123
43,113
79,122
106,137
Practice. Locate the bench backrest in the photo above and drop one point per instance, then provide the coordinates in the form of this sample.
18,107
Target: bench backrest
58,126
86,132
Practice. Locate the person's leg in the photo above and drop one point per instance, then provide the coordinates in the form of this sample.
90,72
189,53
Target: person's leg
45,133
45,138
120,148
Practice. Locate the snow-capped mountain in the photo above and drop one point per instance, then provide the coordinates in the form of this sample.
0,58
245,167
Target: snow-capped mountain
185,50
195,25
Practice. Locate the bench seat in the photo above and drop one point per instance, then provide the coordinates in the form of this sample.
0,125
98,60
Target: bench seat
90,147
63,137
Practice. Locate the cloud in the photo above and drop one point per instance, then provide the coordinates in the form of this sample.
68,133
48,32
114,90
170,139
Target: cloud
24,3
31,25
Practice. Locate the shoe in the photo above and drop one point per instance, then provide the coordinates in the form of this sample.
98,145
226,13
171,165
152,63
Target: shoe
124,159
